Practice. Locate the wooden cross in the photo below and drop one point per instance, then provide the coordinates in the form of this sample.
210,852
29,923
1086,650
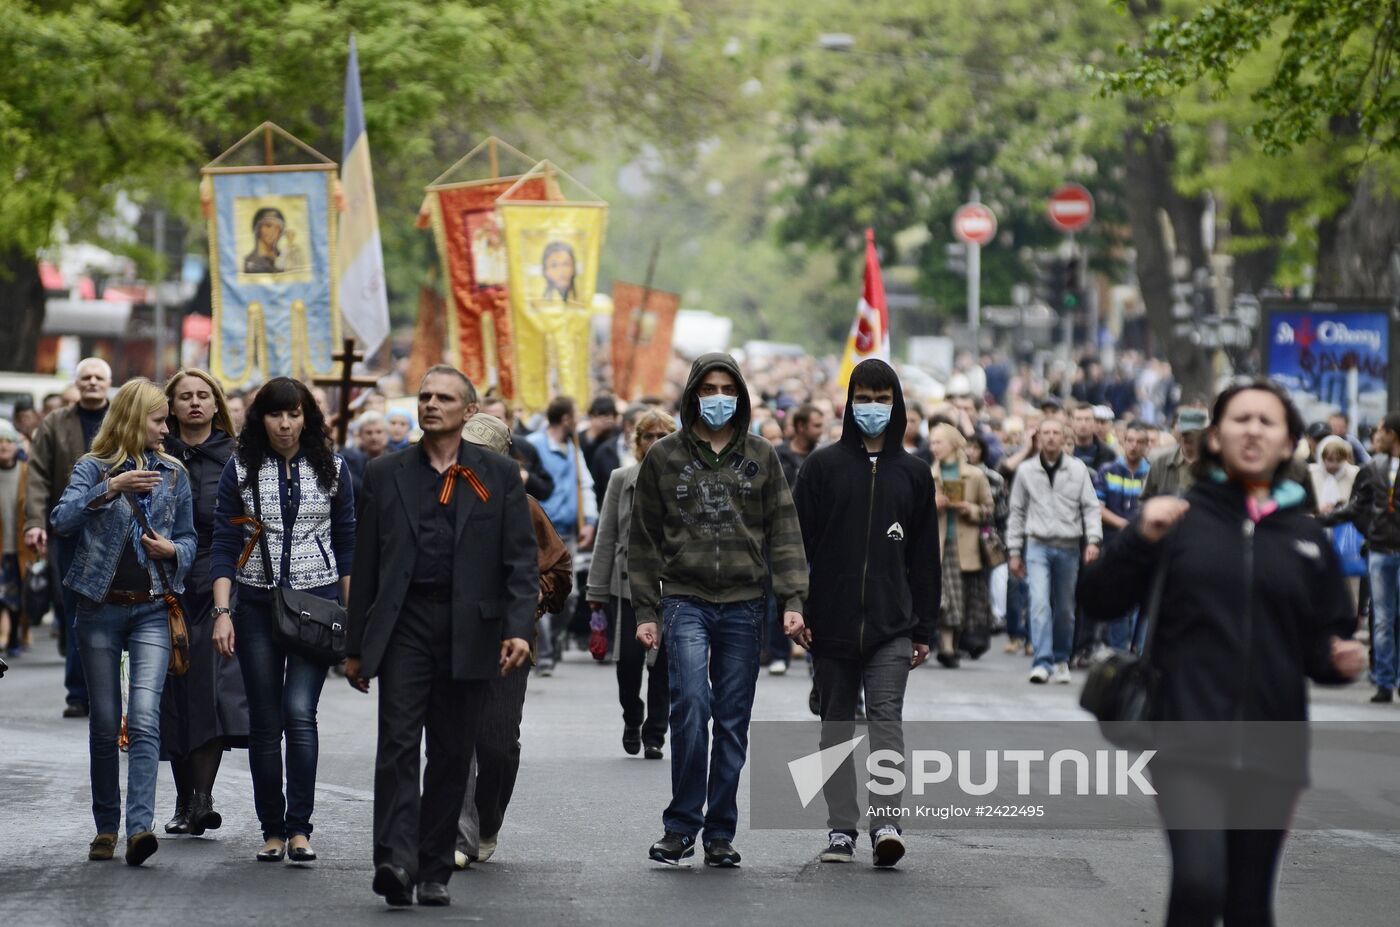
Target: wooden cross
344,384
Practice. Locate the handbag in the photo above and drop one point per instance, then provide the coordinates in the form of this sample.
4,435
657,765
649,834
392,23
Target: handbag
308,625
993,547
1121,691
174,611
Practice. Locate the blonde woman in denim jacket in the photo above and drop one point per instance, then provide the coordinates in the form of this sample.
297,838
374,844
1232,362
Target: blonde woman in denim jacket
121,606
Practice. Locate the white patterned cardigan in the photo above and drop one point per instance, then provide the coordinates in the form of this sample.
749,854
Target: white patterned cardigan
313,558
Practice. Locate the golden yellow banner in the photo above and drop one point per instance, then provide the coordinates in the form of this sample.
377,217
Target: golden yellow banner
552,253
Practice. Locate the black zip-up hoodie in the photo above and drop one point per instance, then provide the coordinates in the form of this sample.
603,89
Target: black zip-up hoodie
1248,610
870,529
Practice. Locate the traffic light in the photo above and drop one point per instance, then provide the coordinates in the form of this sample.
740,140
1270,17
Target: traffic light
1050,279
1072,291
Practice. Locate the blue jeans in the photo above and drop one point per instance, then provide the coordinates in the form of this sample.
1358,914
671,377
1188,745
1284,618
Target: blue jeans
1125,632
1385,589
102,633
1051,572
1017,608
66,611
283,691
712,658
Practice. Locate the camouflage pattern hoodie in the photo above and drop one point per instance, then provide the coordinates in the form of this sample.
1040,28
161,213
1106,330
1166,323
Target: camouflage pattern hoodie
701,523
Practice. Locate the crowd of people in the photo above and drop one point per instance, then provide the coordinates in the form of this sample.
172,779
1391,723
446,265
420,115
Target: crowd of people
752,513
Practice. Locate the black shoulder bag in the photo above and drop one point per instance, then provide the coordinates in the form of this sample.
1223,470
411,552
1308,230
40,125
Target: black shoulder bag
307,624
1121,691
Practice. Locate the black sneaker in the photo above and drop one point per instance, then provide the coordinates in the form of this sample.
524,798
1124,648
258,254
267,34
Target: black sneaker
888,846
814,704
652,752
1383,696
75,709
721,854
672,848
840,848
632,740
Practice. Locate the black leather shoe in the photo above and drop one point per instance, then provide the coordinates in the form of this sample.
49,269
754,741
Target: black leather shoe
1382,696
632,740
948,660
202,816
653,752
721,854
75,709
299,854
393,884
273,854
433,895
180,823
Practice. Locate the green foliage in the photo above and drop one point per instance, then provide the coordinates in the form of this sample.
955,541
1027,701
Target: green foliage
1331,64
936,98
130,96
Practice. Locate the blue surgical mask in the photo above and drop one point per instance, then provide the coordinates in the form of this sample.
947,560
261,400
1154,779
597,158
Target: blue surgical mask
718,410
872,417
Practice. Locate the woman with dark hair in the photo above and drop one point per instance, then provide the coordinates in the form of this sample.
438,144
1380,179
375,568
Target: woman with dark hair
560,270
285,503
1253,602
204,712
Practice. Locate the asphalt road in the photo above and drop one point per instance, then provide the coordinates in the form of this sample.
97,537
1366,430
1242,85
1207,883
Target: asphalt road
573,850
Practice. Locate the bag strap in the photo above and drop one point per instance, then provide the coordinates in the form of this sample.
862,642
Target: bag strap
262,535
145,524
1154,606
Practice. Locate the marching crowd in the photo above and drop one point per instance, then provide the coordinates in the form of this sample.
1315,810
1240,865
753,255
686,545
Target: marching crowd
229,556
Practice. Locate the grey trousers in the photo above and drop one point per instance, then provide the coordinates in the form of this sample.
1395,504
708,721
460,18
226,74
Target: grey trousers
884,673
496,762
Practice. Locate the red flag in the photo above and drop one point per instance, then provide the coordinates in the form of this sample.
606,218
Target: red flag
870,332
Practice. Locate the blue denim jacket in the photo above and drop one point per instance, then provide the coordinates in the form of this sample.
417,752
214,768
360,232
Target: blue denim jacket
103,531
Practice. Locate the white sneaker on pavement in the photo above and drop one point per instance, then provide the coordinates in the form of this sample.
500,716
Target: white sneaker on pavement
1061,674
486,848
777,668
1040,675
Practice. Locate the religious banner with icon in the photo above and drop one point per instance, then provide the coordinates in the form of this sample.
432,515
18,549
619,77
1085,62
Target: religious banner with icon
272,258
552,250
472,249
642,325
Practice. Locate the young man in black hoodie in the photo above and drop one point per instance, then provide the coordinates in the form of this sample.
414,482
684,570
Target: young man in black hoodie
710,499
870,529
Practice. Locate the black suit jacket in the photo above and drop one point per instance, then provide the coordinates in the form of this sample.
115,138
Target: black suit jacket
495,576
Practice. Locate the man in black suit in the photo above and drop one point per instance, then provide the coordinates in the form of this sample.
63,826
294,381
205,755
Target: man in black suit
441,600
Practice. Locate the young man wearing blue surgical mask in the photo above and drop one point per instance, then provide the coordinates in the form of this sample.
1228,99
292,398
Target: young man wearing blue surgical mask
870,528
710,499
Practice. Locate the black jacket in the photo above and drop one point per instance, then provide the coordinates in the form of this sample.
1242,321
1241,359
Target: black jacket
1369,507
539,484
205,465
871,534
495,577
1248,611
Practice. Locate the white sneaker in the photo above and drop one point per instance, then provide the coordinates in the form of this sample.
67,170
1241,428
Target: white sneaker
888,847
777,668
1040,675
1061,674
460,861
486,848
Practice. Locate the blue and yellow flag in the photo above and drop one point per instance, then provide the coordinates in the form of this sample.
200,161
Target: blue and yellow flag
364,302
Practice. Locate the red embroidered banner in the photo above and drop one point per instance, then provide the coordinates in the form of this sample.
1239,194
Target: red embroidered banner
473,254
642,325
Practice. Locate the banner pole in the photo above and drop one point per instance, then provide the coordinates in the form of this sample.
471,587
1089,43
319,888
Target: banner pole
267,146
495,158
